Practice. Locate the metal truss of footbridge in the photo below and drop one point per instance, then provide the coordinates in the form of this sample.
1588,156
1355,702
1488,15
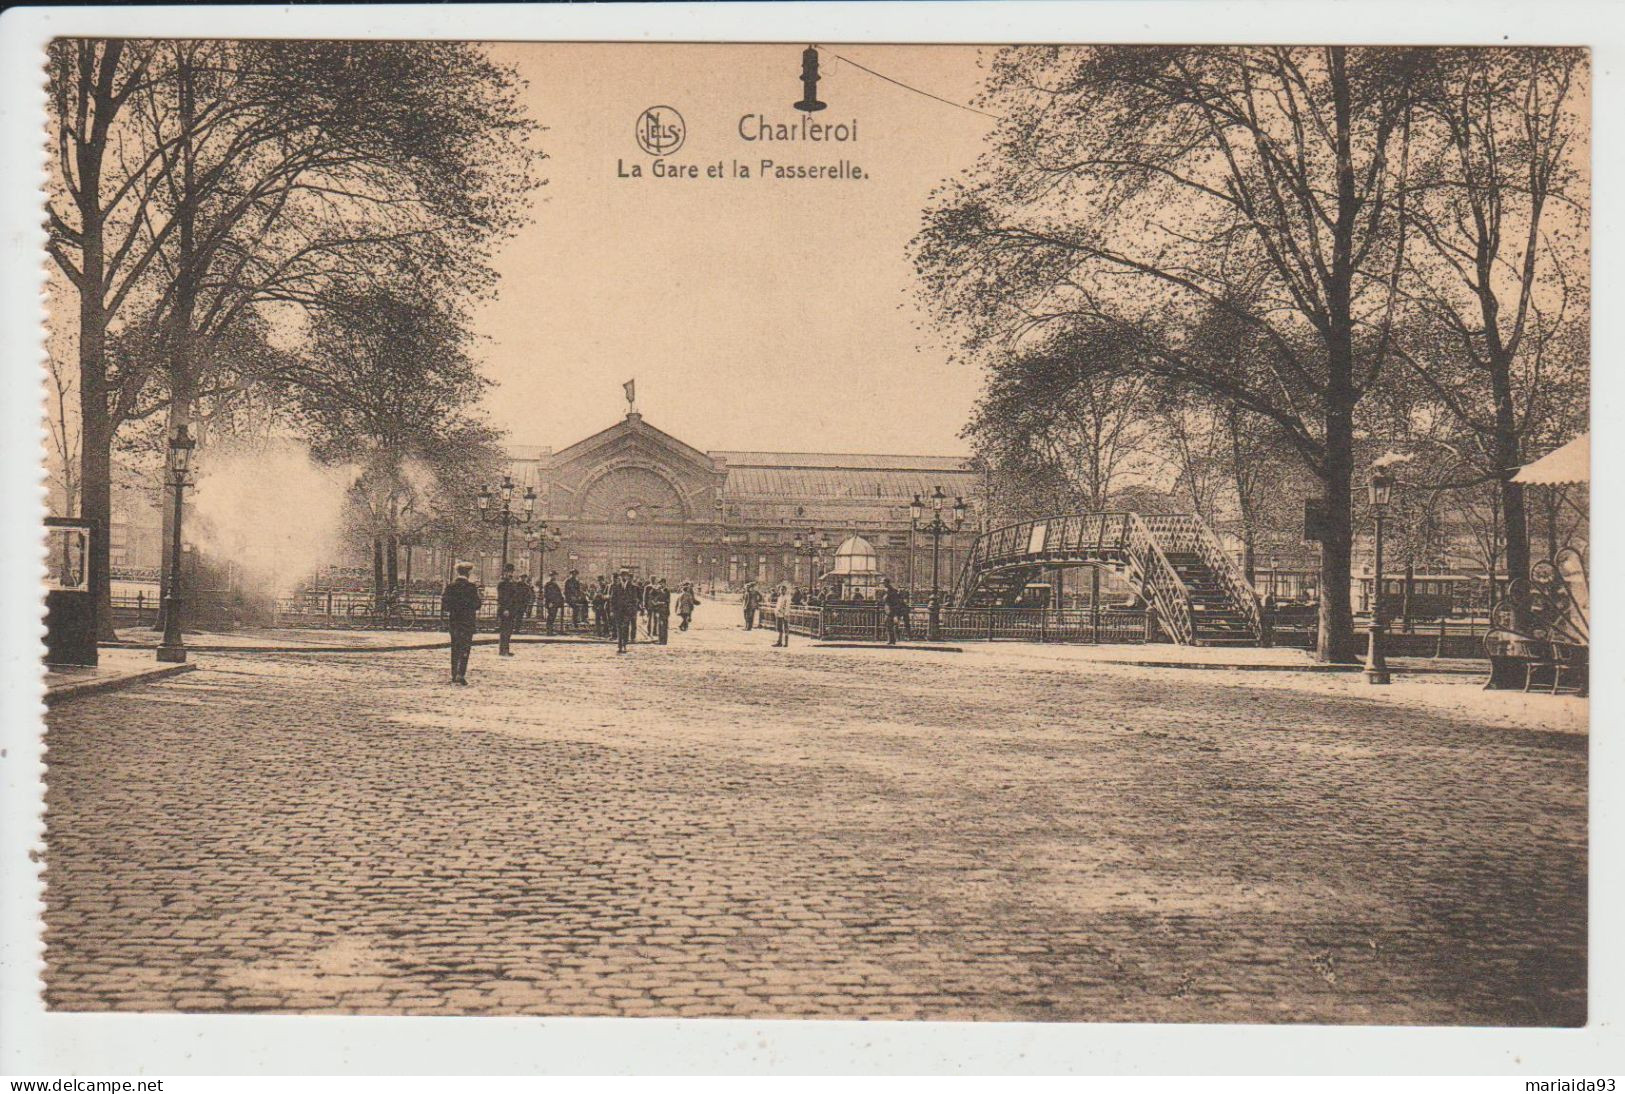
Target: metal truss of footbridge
1174,561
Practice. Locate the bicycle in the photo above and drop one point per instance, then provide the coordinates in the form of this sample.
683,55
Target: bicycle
393,613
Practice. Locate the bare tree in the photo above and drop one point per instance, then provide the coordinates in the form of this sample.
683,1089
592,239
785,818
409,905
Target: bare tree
203,181
1065,430
1235,212
1499,203
62,421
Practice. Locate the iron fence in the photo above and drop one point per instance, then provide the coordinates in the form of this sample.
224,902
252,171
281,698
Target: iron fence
868,624
1462,638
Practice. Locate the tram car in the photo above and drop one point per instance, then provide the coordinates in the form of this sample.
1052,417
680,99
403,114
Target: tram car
1433,596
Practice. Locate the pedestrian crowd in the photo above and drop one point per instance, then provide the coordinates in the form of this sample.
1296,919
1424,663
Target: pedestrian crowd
622,608
625,608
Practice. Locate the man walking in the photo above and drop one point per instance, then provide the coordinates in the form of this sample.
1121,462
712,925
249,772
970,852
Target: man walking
527,599
623,609
753,603
600,606
461,605
510,603
573,597
553,600
685,605
781,613
660,610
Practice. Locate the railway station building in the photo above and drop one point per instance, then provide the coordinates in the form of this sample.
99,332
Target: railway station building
635,496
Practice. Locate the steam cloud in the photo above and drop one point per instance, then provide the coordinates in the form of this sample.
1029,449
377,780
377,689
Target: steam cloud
272,511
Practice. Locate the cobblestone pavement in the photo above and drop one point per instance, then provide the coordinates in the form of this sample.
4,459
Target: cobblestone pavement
721,828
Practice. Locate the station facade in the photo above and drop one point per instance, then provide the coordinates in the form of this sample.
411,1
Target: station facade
634,496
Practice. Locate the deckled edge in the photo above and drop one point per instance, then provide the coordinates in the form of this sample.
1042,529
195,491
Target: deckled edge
23,441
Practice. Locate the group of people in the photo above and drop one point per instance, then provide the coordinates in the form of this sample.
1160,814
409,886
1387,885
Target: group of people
617,607
784,596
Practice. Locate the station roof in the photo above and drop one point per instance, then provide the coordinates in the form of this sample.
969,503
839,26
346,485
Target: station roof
861,461
837,482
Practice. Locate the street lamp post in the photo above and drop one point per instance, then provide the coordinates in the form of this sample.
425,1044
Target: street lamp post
505,517
1376,665
936,529
811,545
1275,577
542,541
173,647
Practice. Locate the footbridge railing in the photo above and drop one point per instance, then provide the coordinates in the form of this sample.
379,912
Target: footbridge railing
1004,558
1182,532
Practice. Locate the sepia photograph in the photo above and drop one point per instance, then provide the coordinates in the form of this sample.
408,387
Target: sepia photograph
843,531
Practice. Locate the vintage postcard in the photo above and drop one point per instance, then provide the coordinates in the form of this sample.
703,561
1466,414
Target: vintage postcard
818,530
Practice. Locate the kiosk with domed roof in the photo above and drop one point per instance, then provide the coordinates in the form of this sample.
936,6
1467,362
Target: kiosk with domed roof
856,574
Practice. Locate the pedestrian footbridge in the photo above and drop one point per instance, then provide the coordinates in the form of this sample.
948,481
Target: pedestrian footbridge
1173,561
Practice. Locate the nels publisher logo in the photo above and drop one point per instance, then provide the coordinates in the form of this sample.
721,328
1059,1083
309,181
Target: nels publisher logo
660,131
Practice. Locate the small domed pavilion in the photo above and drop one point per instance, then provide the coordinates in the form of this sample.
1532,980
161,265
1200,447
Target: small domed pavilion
857,570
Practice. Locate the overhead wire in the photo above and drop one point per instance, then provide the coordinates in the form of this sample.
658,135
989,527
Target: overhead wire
904,86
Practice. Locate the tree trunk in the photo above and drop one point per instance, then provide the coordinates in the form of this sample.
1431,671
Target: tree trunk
1335,641
378,572
95,435
392,560
1508,458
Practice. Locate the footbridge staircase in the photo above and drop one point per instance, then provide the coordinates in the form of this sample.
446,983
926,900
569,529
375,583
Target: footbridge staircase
1174,561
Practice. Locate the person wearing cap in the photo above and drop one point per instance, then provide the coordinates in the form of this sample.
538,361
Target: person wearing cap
552,600
461,605
753,603
600,606
510,602
527,601
782,602
577,600
623,609
659,601
685,605
895,603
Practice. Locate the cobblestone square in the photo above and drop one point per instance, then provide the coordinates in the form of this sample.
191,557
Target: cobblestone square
719,828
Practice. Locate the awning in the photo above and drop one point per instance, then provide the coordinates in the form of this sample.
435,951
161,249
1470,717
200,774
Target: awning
1569,464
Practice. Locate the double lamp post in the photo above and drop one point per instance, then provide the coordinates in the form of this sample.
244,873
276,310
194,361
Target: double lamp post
811,545
504,515
936,529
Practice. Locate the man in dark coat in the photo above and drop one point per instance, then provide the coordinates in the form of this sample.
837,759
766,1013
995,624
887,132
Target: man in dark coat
659,600
461,605
553,600
753,604
573,597
600,606
895,602
527,599
624,602
510,602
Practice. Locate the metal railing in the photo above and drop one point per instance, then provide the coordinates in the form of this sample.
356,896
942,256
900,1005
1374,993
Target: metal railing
1191,533
1160,583
1084,535
1122,536
868,624
1455,638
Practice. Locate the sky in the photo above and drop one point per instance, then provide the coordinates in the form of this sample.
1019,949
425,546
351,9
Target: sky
753,313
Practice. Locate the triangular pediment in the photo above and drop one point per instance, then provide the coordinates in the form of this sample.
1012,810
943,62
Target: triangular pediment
632,433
